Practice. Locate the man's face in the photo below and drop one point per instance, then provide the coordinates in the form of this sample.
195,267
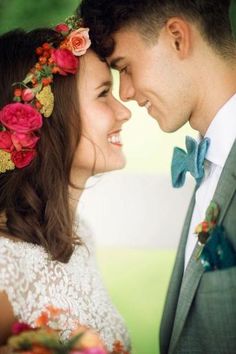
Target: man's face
153,75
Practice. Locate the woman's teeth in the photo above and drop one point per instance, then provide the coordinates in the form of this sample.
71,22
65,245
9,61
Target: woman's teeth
115,139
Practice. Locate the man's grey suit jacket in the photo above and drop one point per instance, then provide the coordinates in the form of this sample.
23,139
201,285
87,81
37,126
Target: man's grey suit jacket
200,310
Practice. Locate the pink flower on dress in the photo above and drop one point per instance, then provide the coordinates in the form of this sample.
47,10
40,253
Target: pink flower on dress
22,158
19,327
20,117
78,41
6,141
23,140
65,61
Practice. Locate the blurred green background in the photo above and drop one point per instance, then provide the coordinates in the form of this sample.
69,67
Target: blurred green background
137,279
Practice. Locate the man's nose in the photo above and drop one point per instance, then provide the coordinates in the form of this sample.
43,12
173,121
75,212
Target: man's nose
127,90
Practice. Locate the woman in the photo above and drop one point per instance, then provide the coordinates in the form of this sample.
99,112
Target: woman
45,259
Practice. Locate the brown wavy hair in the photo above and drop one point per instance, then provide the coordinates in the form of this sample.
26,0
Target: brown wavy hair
34,201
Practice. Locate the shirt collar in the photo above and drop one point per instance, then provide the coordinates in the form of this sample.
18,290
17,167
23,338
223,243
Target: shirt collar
222,133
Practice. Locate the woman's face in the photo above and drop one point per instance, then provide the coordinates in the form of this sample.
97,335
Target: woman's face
102,117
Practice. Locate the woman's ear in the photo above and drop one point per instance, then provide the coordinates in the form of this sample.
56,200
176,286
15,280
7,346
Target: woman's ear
179,33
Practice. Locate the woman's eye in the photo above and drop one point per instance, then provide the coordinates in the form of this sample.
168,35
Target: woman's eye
104,93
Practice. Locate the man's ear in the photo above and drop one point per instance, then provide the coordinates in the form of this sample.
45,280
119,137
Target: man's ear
179,33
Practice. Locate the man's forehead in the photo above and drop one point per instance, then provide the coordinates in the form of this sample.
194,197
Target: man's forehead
124,41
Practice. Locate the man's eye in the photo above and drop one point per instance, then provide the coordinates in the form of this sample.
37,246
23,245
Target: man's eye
123,70
104,93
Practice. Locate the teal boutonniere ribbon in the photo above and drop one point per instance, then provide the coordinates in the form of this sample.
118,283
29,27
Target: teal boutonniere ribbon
216,251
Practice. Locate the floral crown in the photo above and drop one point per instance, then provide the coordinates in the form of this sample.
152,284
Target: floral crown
33,98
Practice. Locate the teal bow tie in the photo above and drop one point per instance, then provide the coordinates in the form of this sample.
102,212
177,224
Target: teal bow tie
192,161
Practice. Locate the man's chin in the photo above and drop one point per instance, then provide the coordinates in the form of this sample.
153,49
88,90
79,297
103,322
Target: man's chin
167,128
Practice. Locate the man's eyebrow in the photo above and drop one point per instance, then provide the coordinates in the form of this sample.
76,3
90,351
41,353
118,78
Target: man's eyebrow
105,83
114,63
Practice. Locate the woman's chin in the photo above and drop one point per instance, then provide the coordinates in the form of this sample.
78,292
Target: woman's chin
118,165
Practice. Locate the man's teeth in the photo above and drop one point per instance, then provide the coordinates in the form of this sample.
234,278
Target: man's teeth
148,104
114,139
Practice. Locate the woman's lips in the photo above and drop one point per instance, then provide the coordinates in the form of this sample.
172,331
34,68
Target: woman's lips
115,138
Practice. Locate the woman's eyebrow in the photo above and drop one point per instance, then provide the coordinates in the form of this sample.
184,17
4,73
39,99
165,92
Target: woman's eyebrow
105,83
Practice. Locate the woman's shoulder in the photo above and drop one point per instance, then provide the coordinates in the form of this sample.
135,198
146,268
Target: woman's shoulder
10,245
7,245
16,255
19,262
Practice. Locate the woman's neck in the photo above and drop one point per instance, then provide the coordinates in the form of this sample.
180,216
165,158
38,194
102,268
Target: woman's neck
76,189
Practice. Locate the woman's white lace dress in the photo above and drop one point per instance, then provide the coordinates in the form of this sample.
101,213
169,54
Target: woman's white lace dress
33,281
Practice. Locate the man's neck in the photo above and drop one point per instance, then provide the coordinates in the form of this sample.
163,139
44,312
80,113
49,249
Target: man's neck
216,85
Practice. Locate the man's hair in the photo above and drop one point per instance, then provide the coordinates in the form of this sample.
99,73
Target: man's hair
105,17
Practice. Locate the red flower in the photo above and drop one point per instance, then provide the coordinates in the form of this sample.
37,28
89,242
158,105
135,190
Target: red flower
23,140
17,92
38,349
65,60
22,158
20,117
90,351
62,27
5,141
19,327
27,95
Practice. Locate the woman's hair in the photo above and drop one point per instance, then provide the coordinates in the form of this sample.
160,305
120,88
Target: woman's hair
34,200
105,17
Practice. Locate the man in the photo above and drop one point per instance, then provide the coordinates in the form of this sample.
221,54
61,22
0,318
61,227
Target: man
178,59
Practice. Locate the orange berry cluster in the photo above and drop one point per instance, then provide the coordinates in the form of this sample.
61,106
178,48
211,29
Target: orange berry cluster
42,73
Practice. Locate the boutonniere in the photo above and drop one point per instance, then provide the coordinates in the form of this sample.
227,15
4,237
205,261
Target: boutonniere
216,251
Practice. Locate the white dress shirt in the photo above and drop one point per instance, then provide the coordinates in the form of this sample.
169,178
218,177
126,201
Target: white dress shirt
222,135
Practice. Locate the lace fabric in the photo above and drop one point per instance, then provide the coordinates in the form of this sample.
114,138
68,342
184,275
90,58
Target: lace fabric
33,281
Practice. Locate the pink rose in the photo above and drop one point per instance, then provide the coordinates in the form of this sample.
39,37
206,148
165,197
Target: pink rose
23,140
19,327
5,141
78,41
27,95
62,27
20,117
65,60
22,158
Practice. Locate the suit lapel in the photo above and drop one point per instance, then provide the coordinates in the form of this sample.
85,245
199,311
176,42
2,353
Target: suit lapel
223,195
174,285
227,184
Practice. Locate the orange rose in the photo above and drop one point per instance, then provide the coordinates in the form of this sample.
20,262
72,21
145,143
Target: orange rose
90,338
78,41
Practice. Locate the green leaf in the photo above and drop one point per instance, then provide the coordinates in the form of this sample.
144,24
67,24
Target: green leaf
46,71
37,88
232,15
28,78
16,99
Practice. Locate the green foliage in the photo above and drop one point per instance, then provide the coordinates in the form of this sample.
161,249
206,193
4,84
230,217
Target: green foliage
137,281
232,14
29,14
